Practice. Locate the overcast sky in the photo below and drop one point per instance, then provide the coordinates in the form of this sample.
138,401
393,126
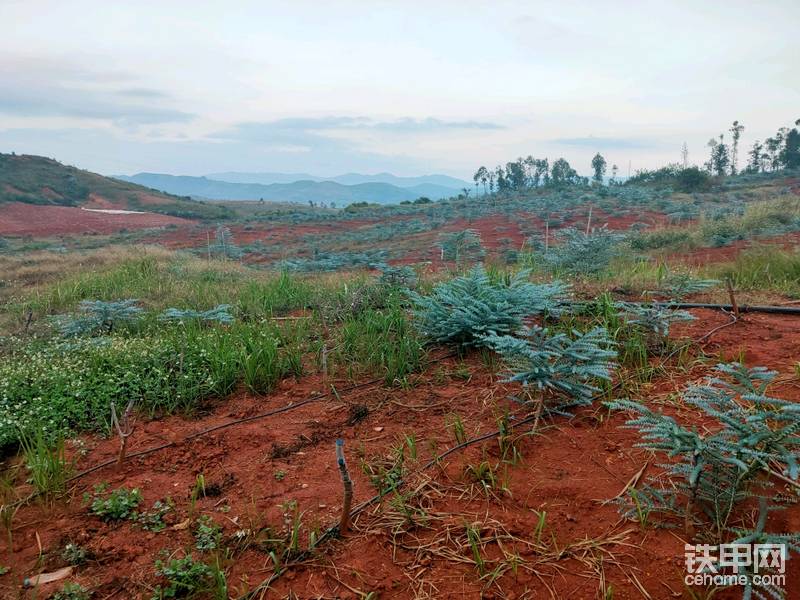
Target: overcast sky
192,87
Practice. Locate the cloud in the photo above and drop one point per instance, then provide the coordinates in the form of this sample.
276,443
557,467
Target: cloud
41,88
312,128
605,143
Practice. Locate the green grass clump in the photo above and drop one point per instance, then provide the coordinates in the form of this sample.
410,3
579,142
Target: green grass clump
763,268
381,342
47,463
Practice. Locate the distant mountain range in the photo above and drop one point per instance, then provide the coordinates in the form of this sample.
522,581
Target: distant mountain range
304,190
346,179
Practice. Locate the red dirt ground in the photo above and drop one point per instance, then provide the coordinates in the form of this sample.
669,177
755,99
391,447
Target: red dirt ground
20,219
569,471
705,256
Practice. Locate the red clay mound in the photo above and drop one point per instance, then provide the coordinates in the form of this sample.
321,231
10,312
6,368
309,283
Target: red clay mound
17,218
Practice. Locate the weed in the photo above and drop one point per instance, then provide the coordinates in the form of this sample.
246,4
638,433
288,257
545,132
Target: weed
71,591
199,489
456,425
153,520
207,535
120,504
189,578
74,554
541,522
49,467
476,545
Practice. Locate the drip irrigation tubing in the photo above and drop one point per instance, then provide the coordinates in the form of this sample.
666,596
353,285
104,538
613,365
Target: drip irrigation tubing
202,432
333,531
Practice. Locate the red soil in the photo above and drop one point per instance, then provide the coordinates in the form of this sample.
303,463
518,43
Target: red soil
19,219
706,256
569,471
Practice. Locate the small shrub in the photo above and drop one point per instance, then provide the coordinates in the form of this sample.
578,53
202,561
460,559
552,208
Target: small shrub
652,317
189,578
557,364
218,314
461,245
577,252
465,309
712,473
98,316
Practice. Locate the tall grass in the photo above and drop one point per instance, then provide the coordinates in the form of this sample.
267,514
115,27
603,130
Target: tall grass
382,343
47,463
762,268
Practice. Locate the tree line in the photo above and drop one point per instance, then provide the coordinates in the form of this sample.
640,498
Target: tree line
781,151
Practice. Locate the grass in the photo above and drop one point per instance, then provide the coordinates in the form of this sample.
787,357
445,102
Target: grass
47,464
763,268
382,343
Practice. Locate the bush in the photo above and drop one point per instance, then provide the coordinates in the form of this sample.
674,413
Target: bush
461,245
713,472
557,363
98,316
577,252
692,179
465,309
218,314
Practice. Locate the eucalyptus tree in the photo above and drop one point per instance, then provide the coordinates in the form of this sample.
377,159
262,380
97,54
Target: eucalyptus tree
736,133
599,166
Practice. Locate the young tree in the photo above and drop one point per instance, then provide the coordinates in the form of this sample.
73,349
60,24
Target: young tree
562,173
599,166
480,176
720,157
791,149
736,132
756,154
515,175
542,171
502,181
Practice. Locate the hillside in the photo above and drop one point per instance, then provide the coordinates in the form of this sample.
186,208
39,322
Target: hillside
298,191
38,180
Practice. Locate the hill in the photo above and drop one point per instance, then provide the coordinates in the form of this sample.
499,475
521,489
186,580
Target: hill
298,191
38,180
346,179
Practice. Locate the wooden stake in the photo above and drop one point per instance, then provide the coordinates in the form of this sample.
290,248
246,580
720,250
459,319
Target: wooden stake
344,524
734,305
589,220
125,427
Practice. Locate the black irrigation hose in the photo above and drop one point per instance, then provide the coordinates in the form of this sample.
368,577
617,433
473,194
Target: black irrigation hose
743,308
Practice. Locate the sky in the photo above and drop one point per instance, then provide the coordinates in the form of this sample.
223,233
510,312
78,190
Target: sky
196,87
